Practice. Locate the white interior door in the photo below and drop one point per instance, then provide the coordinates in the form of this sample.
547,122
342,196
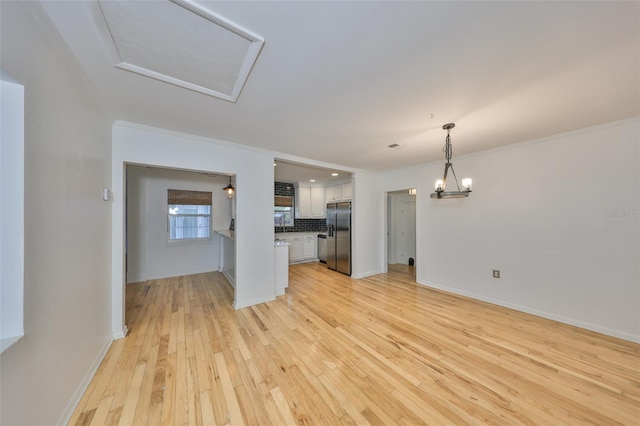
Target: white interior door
407,246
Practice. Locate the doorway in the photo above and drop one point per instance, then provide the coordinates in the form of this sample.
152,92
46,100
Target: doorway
401,231
165,238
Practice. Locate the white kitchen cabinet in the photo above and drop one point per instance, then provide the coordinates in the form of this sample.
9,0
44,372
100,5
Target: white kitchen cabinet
303,202
318,206
333,193
310,202
341,192
303,247
295,249
346,191
310,247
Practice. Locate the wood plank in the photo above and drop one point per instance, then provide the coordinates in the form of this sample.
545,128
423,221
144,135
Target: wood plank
235,414
334,350
129,408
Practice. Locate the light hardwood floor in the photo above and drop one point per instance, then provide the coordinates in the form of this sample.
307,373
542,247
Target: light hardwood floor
381,350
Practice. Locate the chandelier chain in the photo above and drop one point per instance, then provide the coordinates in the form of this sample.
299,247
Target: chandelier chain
448,148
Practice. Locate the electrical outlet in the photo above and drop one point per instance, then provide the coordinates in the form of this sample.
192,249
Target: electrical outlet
496,273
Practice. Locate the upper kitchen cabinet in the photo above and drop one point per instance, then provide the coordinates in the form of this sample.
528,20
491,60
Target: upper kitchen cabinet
342,192
318,206
310,202
333,193
346,191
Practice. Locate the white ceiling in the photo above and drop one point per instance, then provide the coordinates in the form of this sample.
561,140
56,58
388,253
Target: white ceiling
338,82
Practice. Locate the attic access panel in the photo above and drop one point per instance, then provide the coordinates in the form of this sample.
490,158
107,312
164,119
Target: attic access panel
182,43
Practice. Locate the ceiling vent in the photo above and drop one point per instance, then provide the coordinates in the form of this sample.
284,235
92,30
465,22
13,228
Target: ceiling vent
182,43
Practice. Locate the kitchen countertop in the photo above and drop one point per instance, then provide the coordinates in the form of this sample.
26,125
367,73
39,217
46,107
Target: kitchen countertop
225,233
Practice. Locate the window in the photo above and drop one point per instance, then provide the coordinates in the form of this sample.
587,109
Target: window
283,211
189,215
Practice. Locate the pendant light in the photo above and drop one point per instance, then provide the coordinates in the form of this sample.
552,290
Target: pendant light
229,188
441,184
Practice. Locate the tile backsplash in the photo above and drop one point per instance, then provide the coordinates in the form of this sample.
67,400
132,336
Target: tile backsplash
300,225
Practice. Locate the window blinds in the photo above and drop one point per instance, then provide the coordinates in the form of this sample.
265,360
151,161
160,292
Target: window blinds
281,201
193,198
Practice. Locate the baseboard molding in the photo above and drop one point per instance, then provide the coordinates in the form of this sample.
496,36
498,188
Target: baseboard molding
247,303
136,276
544,314
84,384
365,274
229,278
120,334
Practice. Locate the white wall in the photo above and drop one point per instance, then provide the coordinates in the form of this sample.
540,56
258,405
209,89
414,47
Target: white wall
67,225
136,226
558,217
253,172
149,254
367,214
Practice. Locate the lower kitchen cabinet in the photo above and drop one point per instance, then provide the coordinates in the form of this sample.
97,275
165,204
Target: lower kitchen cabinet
302,247
295,249
310,246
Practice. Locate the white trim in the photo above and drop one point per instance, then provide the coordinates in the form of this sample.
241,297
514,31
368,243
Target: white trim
216,19
84,384
248,303
544,314
228,277
7,342
366,274
121,334
136,276
175,81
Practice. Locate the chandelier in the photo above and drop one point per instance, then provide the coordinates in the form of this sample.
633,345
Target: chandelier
441,184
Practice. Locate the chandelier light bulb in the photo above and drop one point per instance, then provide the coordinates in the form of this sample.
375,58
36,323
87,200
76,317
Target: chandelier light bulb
467,183
439,185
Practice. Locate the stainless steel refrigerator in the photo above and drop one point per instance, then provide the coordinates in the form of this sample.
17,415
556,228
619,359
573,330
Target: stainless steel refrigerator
339,237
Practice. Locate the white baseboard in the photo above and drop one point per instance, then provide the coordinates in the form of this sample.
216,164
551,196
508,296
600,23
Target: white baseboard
246,303
365,274
229,278
84,384
544,314
136,276
121,334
